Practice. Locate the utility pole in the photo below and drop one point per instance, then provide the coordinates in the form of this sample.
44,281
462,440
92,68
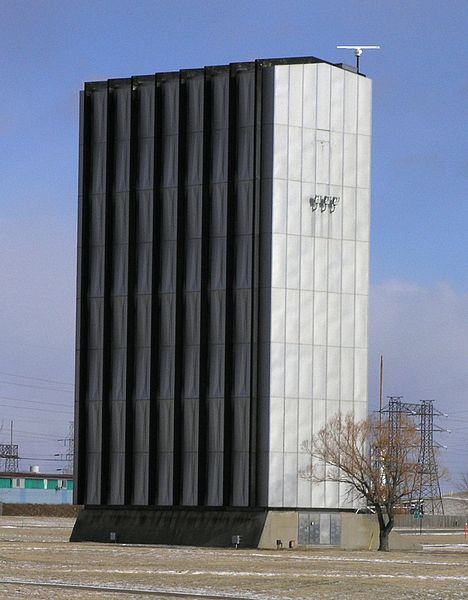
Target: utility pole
381,387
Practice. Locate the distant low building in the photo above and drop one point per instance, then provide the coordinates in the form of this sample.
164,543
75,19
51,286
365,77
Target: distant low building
456,503
36,488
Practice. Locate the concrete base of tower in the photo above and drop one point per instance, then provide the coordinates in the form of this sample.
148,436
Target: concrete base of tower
315,528
223,528
172,526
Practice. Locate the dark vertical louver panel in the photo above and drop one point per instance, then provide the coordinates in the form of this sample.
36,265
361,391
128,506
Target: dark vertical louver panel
98,226
179,370
143,147
156,257
81,362
241,315
108,289
131,341
262,284
262,104
228,265
120,288
171,287
204,296
194,107
216,287
166,368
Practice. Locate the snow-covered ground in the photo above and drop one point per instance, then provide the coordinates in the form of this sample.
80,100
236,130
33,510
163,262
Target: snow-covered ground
37,561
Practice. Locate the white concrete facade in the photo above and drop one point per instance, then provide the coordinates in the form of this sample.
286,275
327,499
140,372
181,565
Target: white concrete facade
320,268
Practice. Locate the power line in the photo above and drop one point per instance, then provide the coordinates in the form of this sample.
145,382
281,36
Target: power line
33,401
42,435
33,440
39,409
41,459
37,379
40,346
37,387
57,420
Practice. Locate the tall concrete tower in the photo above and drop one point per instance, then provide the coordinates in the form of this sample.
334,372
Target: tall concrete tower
222,298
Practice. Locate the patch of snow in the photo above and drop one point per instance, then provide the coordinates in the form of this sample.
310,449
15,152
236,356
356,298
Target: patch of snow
108,587
359,560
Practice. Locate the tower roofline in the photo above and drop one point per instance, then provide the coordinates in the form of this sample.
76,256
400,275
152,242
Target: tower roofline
261,62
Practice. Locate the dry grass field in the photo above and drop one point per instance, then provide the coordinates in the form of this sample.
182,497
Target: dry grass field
37,561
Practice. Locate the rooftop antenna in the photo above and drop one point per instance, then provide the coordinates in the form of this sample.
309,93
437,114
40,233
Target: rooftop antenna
358,51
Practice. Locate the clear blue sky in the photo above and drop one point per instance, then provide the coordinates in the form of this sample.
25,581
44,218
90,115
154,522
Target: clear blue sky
419,276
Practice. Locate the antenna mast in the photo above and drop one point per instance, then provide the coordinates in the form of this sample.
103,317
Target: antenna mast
358,51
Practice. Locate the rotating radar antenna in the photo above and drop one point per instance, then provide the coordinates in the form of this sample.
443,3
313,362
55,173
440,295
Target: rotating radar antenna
358,51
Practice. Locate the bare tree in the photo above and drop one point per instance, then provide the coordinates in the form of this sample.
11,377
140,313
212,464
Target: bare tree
375,458
463,482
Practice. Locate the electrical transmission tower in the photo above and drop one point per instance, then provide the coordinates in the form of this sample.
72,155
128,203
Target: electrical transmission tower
428,484
427,487
9,452
70,446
